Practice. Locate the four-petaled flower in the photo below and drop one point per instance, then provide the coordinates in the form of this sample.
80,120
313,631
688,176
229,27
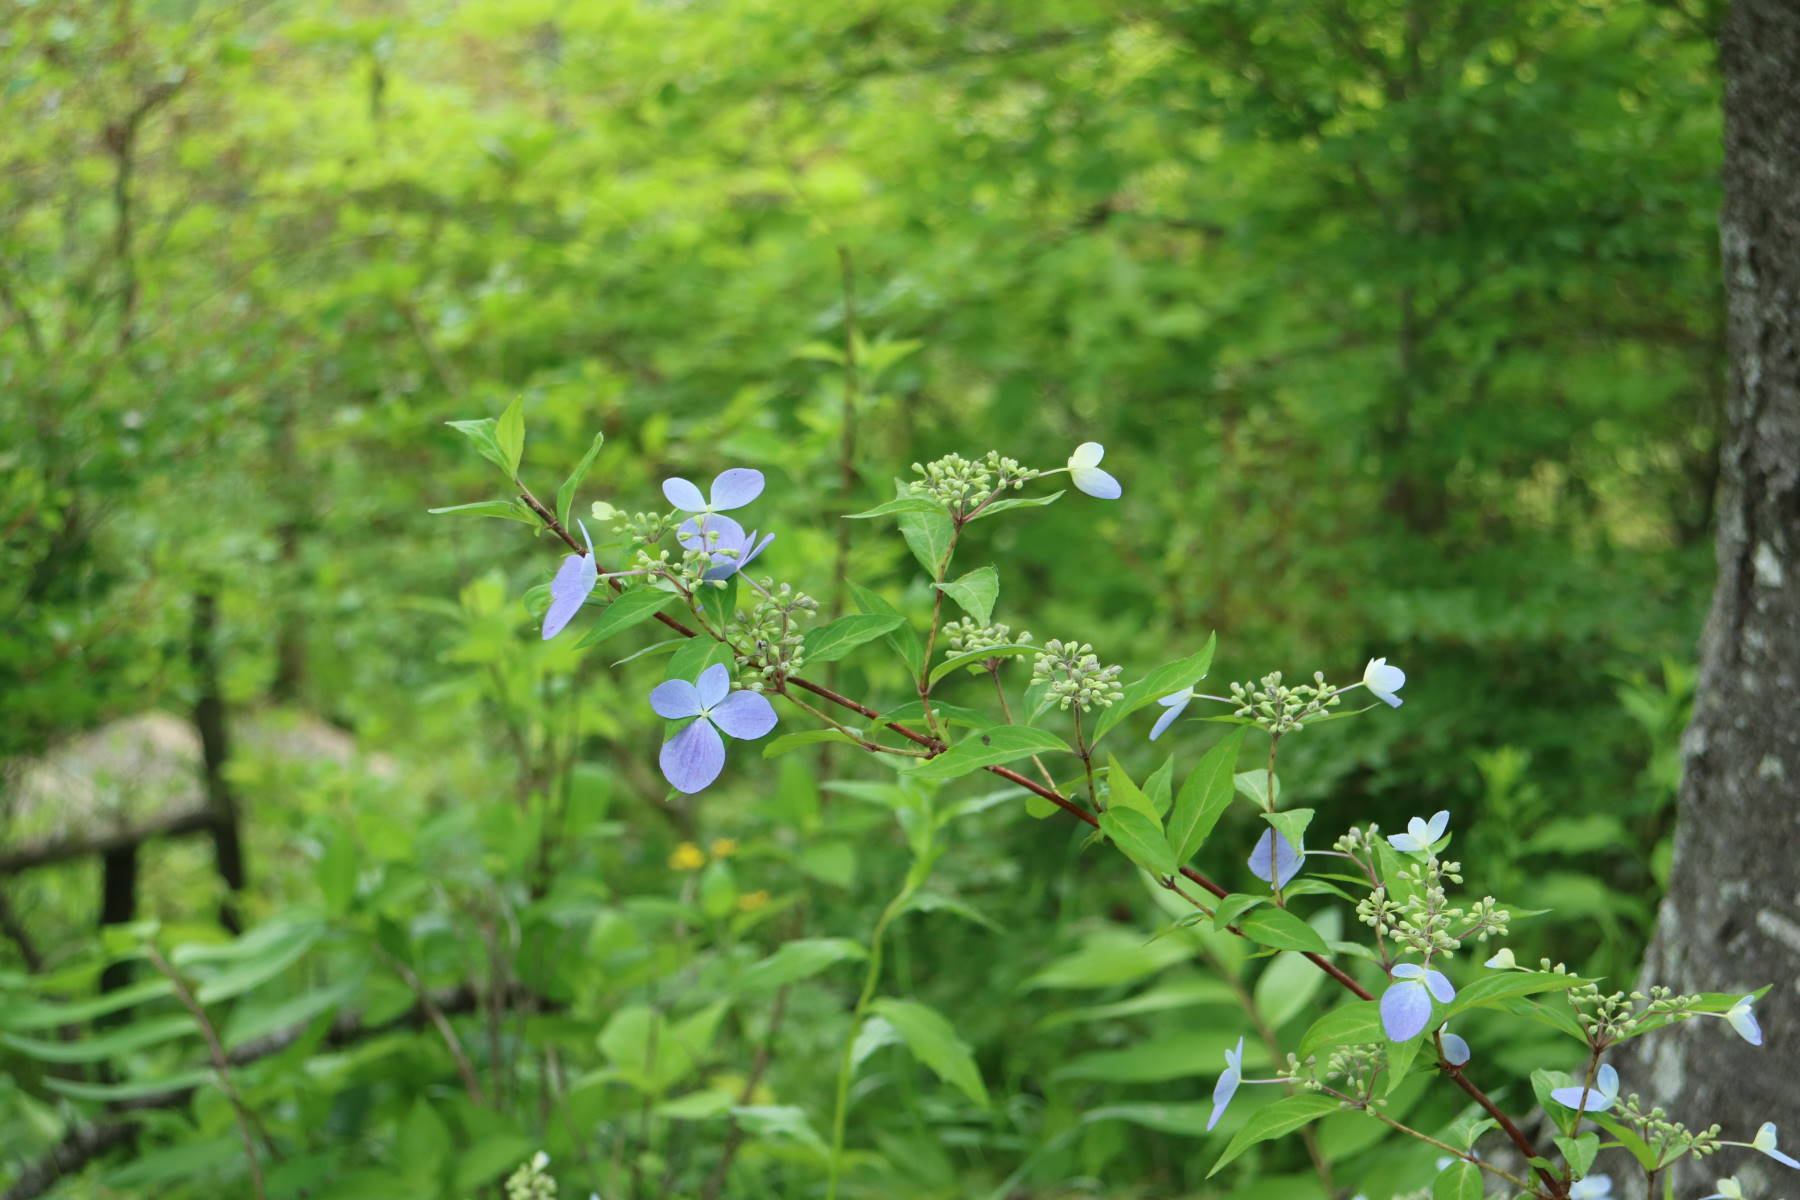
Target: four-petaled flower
1227,1086
1175,702
1598,1098
1420,834
694,757
730,489
722,540
1084,469
1591,1187
1406,1005
1744,1021
1765,1143
574,581
1384,680
1456,1050
1286,859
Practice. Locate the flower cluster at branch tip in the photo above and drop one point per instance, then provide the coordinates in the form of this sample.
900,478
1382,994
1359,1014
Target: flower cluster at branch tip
1275,860
532,1181
1075,675
724,543
772,631
1283,708
962,485
693,758
1383,681
1420,835
966,635
1598,1098
1084,469
574,582
1406,1004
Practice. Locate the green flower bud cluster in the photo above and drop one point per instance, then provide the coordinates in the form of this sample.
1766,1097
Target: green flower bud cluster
965,636
1076,676
1426,922
1613,1017
647,528
531,1181
961,485
1667,1138
1279,708
1357,1066
769,633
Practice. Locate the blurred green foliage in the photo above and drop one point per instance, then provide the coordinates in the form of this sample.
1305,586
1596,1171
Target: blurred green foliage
1400,324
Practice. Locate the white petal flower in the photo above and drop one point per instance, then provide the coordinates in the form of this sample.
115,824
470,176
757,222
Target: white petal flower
1765,1143
1503,960
1084,469
1384,680
1744,1021
1593,1187
1420,835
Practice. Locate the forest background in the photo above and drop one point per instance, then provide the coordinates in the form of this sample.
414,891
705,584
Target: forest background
1400,322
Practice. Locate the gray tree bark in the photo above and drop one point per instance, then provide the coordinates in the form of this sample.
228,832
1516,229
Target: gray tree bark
1731,920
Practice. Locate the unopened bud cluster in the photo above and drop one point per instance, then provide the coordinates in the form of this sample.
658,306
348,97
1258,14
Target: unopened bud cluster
646,528
768,636
1279,708
532,1181
1076,676
1612,1017
966,636
1425,921
960,484
1357,1066
1668,1138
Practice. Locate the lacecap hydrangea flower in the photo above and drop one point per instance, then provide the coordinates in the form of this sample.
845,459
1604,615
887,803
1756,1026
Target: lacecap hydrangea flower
1084,469
693,758
1598,1098
1406,1005
1456,1050
1420,835
574,582
1764,1143
722,540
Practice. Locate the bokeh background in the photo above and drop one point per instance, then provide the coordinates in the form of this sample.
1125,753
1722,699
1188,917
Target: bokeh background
1400,323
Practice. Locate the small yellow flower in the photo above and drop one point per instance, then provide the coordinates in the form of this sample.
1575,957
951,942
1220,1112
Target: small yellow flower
751,901
687,857
724,847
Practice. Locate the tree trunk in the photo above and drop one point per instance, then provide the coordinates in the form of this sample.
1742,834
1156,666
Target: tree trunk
1731,920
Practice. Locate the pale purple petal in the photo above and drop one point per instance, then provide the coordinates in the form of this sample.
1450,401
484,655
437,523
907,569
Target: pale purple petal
1608,1080
710,534
730,563
1287,863
1744,1021
1166,720
736,488
1227,1086
1570,1097
675,699
1435,828
683,496
1407,971
574,581
1765,1143
1440,986
1456,1050
1591,1187
1405,1010
744,715
694,757
714,685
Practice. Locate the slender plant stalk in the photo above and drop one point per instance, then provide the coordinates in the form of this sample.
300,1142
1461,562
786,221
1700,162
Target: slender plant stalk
840,1112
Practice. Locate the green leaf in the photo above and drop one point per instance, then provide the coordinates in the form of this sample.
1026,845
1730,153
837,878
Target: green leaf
718,603
804,738
1228,907
1254,786
1458,1181
928,536
1400,1056
34,1015
1636,1146
1280,1118
627,609
101,1048
1354,1024
482,434
1140,837
903,639
134,1089
905,504
933,1042
970,658
828,643
509,436
1204,798
992,747
1166,679
565,495
1000,506
510,510
1490,990
1290,824
1579,1151
797,960
914,710
975,593
1123,793
1281,929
